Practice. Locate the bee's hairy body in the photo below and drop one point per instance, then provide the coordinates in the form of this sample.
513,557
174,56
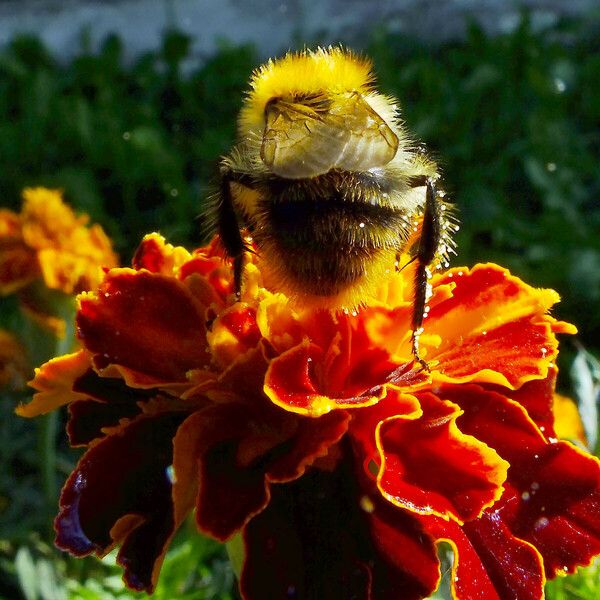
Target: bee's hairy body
327,183
322,235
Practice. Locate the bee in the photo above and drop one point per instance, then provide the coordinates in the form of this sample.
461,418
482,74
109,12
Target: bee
328,183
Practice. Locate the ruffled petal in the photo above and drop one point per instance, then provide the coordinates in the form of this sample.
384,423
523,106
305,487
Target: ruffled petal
553,496
237,450
108,403
489,562
146,322
537,398
54,384
294,381
430,467
492,329
120,493
154,254
364,424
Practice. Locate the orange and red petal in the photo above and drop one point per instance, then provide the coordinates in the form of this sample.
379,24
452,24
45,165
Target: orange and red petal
54,384
315,540
120,494
552,498
429,466
298,381
154,254
493,329
509,355
363,426
146,322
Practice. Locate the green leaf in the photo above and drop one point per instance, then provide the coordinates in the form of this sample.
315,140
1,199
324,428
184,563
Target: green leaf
27,574
585,374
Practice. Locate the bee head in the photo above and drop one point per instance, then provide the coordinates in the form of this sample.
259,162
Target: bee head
309,74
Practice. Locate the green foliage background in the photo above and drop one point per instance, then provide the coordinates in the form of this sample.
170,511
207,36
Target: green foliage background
514,121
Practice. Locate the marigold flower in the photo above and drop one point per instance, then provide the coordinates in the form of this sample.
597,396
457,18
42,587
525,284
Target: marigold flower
314,435
48,243
48,240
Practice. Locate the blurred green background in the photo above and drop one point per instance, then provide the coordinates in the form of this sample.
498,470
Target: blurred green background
514,121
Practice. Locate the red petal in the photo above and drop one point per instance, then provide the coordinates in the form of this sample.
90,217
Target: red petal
429,466
147,322
553,500
537,398
213,270
407,552
150,255
363,427
489,562
155,255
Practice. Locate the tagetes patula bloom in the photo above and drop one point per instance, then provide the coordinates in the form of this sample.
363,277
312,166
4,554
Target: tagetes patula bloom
314,436
48,243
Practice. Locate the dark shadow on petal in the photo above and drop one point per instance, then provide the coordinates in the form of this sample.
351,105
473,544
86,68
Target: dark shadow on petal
110,400
315,542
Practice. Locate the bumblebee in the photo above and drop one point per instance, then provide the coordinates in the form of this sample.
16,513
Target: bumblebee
326,180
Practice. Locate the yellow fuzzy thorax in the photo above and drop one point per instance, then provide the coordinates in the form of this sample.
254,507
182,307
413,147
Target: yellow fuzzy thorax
307,72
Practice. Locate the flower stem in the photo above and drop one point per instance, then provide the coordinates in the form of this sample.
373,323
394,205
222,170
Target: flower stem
43,344
47,431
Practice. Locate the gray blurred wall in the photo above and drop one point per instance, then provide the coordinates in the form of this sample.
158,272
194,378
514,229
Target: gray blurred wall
272,25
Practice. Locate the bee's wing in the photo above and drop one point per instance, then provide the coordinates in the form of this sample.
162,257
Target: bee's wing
300,141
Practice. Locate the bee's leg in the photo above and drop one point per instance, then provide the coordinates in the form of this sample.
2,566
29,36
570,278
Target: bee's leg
431,233
229,230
